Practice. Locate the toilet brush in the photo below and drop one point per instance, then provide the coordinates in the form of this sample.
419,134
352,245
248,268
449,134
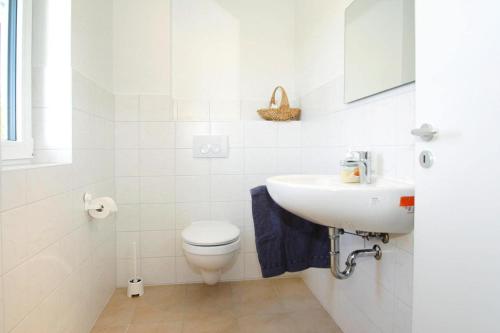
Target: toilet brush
135,285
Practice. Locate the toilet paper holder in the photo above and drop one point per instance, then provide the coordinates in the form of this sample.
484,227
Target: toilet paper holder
99,208
89,205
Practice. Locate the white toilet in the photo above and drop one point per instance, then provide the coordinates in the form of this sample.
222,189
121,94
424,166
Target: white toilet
211,246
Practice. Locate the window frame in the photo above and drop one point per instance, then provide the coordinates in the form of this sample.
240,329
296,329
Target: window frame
22,147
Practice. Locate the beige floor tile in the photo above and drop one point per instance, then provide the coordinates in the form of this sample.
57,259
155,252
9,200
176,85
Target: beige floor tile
267,324
119,329
203,299
116,316
314,321
216,322
278,305
146,314
253,290
170,327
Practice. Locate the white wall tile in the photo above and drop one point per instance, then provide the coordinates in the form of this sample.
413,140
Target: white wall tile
126,108
46,182
405,118
402,318
252,266
290,134
155,108
82,137
405,163
125,271
157,162
315,132
288,161
225,110
261,134
184,132
157,216
260,160
157,135
126,162
249,240
128,218
186,213
158,271
228,211
193,110
126,135
14,189
404,242
382,124
227,188
15,238
157,189
187,165
124,243
404,277
127,190
29,283
155,244
249,109
50,245
192,188
232,165
233,129
179,251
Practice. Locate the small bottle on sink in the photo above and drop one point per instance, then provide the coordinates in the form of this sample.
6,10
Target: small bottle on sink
349,173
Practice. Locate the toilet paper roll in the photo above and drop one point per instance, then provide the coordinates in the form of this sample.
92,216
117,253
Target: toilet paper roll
99,214
108,206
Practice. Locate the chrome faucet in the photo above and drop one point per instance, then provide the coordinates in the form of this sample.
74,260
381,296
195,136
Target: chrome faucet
362,160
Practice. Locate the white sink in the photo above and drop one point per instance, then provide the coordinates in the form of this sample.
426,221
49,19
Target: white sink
326,200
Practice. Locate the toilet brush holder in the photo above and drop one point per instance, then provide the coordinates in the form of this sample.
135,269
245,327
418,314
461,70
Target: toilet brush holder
135,287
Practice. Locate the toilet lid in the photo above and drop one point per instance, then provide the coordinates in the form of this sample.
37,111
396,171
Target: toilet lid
210,233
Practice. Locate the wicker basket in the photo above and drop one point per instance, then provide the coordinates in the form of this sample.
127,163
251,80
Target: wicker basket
281,113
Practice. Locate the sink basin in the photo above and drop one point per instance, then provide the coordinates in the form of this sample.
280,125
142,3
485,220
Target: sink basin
324,199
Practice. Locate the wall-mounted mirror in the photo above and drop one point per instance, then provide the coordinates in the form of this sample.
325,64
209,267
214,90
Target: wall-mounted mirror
379,46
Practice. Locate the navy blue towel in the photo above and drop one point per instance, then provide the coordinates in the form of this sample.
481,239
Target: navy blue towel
286,242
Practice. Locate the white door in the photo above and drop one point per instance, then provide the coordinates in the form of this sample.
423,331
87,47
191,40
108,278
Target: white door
457,226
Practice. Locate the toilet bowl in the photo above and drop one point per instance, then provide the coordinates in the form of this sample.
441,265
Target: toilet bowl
211,246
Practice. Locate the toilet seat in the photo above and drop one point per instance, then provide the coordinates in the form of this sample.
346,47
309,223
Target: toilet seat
211,238
210,233
212,250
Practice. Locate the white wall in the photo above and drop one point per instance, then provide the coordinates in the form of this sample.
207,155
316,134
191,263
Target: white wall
141,47
92,47
378,298
237,50
227,57
50,248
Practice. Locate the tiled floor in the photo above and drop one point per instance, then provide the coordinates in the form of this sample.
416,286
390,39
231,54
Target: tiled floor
279,305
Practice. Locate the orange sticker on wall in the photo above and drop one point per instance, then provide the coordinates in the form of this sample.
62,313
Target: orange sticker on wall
407,202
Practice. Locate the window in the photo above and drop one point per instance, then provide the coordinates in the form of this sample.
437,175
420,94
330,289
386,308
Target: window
15,79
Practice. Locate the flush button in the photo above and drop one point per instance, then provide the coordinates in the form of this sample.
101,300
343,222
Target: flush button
426,159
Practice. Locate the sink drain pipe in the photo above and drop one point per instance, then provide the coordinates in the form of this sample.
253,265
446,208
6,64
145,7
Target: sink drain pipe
335,234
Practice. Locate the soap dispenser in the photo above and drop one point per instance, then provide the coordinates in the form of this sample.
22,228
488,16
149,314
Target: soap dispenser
350,172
